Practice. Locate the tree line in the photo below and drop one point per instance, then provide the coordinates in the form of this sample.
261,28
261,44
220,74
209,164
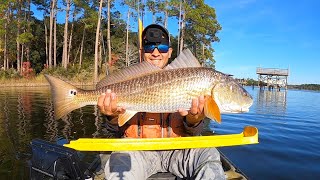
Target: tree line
96,35
314,87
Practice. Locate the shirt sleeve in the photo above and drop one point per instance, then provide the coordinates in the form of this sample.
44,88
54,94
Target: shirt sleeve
110,128
194,130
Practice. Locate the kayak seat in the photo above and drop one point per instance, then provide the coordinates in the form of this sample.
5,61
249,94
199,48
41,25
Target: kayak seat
53,161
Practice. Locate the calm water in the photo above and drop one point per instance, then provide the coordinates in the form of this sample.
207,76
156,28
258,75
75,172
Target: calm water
289,132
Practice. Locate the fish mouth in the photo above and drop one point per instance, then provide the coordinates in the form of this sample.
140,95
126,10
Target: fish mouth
245,108
242,110
234,110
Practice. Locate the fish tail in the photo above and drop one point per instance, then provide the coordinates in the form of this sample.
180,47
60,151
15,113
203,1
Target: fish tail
64,96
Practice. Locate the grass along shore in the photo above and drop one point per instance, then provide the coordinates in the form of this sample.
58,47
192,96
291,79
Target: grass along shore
40,80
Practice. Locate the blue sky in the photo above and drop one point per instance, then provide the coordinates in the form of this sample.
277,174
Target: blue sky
269,34
264,33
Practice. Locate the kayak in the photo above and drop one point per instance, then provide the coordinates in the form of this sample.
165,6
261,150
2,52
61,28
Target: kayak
230,170
53,161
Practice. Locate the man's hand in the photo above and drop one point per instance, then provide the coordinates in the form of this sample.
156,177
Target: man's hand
196,113
107,104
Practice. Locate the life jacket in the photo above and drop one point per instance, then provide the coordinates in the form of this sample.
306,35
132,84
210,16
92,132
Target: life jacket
155,125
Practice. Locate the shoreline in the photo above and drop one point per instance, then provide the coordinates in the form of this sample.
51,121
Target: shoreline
39,84
40,81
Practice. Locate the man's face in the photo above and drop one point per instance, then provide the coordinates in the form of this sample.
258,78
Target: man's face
156,58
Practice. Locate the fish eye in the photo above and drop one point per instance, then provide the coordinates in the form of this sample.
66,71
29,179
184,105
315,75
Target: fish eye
230,88
73,92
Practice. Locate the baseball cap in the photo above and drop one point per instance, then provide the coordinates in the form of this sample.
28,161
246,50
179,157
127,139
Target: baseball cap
155,34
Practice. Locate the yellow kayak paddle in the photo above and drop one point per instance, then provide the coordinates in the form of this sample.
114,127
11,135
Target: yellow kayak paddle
248,136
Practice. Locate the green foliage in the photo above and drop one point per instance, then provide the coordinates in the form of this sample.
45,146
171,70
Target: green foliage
314,87
36,61
9,74
251,82
174,46
201,29
72,73
25,38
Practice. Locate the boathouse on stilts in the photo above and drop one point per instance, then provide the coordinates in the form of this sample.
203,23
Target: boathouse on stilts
272,78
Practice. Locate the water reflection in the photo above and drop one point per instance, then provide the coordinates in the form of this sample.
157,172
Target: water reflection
27,113
50,123
15,133
67,128
98,122
24,103
81,121
271,102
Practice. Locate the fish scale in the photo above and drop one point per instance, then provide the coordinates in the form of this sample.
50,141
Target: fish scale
158,90
164,91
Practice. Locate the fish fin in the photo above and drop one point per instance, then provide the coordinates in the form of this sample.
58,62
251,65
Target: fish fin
125,117
184,60
211,109
128,73
63,96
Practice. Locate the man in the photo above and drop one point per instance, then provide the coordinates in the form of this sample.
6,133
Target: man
189,163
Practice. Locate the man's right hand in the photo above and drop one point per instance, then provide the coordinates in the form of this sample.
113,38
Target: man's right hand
107,104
